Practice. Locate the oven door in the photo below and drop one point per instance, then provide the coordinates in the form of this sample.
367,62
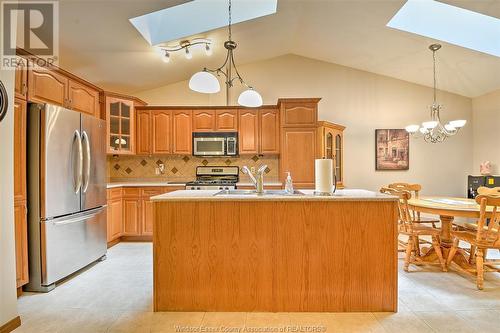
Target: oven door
206,146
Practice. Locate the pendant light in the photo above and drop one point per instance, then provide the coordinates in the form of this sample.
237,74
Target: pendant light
434,131
206,82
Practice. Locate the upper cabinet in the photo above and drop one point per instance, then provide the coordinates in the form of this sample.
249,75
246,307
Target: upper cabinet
120,125
259,131
203,120
21,81
82,98
46,86
299,112
182,131
162,131
144,133
50,86
226,120
330,145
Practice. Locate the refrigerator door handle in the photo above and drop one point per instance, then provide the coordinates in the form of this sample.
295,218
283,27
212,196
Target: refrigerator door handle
78,173
77,217
87,157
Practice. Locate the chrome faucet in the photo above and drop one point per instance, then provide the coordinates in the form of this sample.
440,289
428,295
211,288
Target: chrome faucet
257,179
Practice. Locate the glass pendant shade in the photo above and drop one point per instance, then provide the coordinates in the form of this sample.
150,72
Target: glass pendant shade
204,82
429,124
458,123
250,98
412,128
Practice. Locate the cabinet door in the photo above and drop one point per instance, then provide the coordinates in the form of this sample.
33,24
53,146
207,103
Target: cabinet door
116,218
144,133
19,149
226,120
162,132
83,99
21,82
47,86
298,153
338,141
248,133
182,133
21,243
269,123
203,120
299,114
131,217
120,118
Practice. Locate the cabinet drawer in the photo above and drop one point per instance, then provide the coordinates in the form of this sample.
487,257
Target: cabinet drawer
114,193
148,192
128,192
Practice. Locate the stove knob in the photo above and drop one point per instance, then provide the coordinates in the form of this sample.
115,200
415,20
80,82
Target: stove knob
226,188
198,188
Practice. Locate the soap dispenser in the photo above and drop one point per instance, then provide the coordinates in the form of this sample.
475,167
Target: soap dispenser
288,184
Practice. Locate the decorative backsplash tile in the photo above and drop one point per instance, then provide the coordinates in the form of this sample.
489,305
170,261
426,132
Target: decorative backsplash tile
182,167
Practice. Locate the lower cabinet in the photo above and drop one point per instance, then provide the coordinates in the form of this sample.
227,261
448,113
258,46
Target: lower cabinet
130,211
21,243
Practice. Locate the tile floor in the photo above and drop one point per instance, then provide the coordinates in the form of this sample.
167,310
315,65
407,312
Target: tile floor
115,296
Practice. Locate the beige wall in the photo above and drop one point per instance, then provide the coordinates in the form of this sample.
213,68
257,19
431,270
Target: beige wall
362,102
8,300
486,120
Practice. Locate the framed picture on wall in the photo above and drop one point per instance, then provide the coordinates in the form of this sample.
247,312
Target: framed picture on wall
392,149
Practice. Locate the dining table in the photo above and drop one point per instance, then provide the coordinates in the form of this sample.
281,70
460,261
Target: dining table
448,209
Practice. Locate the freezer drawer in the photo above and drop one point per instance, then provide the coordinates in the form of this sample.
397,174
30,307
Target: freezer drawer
71,243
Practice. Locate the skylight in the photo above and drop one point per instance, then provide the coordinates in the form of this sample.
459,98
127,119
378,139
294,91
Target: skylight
196,17
450,24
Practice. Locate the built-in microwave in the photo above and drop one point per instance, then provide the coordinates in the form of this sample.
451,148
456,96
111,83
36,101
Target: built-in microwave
215,144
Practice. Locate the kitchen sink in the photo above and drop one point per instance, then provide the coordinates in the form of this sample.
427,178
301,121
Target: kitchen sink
253,192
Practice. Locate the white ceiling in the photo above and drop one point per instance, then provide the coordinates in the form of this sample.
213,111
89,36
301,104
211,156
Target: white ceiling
99,43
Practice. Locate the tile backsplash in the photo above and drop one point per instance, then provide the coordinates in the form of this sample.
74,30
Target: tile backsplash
182,167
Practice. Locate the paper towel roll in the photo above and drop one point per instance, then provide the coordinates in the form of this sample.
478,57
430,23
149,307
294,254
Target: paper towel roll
324,175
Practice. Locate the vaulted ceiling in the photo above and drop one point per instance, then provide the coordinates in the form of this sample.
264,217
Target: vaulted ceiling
99,43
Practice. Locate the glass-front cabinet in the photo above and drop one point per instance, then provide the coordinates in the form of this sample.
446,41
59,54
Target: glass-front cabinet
120,120
331,145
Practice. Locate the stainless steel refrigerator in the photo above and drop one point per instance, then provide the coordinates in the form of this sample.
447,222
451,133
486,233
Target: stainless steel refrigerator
66,193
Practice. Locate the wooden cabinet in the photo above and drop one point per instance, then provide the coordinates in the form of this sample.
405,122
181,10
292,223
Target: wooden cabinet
46,86
226,120
20,120
330,145
120,120
21,243
269,131
20,192
299,112
131,216
83,99
49,86
115,220
298,152
162,131
259,132
144,133
182,132
147,209
21,81
248,134
204,120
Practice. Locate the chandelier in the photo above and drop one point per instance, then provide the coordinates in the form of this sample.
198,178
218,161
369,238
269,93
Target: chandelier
434,131
206,82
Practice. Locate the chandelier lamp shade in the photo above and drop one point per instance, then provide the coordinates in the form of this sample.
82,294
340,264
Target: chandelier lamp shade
434,131
206,81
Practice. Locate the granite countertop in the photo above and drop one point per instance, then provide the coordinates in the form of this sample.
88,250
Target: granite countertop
174,184
209,195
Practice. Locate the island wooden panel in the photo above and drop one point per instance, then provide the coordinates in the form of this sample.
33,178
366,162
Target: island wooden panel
275,256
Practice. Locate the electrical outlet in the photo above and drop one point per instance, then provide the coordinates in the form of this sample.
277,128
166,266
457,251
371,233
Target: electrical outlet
252,169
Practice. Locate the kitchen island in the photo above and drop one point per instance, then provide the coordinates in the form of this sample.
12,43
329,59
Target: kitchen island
275,252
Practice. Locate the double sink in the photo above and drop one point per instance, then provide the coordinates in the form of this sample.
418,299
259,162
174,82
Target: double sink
254,192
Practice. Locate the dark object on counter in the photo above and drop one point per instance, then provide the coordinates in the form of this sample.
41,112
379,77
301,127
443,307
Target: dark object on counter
4,101
475,182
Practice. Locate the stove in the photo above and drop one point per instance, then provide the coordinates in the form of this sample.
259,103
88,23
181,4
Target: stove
215,178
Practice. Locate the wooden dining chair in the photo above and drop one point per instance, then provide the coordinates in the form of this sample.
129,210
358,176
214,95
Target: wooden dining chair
408,227
414,190
486,236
